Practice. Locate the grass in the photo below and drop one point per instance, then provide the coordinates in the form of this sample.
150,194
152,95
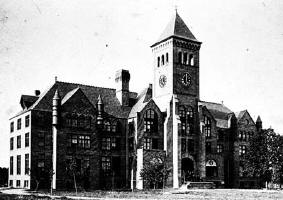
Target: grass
205,194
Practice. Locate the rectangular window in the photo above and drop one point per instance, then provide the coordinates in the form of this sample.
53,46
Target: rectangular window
191,146
18,183
26,183
208,147
185,60
81,141
26,139
18,141
11,183
106,143
27,121
147,143
242,150
11,143
219,148
27,163
74,141
18,164
207,131
183,145
148,126
113,143
105,164
12,127
19,123
154,143
11,165
87,142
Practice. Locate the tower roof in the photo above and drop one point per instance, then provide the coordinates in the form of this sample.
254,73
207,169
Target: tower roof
176,27
258,119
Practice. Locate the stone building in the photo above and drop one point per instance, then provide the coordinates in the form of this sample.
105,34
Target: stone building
105,136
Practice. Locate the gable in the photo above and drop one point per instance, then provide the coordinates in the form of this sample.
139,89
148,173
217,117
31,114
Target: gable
246,119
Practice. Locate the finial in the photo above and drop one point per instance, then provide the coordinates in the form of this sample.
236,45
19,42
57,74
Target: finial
176,9
55,78
99,100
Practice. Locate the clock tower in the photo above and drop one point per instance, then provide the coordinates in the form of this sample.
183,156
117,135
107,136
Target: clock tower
176,91
176,61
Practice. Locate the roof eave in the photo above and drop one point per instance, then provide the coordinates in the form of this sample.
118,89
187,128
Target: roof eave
177,37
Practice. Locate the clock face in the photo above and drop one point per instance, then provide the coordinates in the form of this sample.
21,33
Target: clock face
186,79
162,81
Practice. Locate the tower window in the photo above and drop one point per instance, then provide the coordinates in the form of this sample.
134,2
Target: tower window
167,58
207,127
185,60
191,60
180,57
162,60
158,61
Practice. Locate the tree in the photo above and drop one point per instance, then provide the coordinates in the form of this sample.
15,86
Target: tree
155,172
3,176
264,157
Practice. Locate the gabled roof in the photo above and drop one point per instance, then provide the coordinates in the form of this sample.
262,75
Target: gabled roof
143,98
176,27
240,114
66,90
220,113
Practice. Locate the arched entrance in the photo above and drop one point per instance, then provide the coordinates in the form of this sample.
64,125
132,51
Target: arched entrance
187,170
211,169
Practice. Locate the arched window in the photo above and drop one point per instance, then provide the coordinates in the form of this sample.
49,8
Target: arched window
150,121
162,60
107,126
180,57
191,60
207,127
167,58
211,168
158,61
185,58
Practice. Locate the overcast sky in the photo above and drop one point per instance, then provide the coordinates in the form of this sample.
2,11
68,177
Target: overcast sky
241,58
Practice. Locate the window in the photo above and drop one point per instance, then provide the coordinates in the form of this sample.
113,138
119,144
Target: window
26,139
18,141
242,135
11,165
182,111
27,163
12,127
191,60
107,126
19,123
185,60
80,141
162,60
18,183
27,121
11,143
26,183
191,145
241,171
150,121
114,127
40,164
242,150
167,58
186,118
180,57
87,142
208,147
219,148
183,145
74,141
158,61
106,143
147,143
18,164
207,127
190,113
113,143
11,183
105,164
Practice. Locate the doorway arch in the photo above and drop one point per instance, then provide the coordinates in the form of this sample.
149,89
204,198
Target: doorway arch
187,167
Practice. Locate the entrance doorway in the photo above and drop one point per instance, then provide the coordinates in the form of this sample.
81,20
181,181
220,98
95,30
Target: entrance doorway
187,170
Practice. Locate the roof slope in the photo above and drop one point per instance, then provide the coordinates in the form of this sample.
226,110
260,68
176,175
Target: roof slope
220,113
142,100
111,103
176,27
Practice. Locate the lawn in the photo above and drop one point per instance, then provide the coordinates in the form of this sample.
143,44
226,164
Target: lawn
217,194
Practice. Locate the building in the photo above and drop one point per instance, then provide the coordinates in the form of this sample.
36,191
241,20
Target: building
105,136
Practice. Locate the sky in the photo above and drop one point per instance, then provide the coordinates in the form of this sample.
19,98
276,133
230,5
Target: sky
241,57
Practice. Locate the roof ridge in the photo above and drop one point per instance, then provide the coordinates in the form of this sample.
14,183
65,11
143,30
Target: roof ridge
79,84
211,102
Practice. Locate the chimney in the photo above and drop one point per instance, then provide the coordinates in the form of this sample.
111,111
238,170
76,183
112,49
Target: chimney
122,80
37,92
